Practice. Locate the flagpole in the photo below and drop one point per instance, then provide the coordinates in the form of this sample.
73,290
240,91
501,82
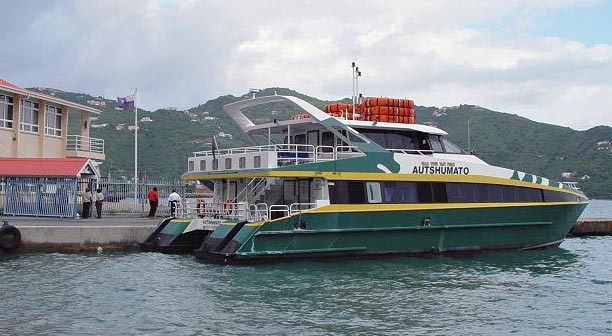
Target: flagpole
136,146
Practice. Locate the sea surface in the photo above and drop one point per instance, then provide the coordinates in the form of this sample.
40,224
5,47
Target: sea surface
555,291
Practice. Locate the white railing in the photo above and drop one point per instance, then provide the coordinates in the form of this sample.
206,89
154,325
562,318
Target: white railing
212,213
85,144
285,154
411,151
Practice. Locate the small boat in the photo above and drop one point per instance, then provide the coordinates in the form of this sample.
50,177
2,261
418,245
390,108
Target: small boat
364,181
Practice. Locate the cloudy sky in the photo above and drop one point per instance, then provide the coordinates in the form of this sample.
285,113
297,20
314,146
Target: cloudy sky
547,60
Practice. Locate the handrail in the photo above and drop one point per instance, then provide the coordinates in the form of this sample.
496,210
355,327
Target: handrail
411,151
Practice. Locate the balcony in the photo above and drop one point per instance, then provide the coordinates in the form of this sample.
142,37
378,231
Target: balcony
85,147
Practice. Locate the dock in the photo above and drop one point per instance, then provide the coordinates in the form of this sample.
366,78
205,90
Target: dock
45,234
592,227
42,234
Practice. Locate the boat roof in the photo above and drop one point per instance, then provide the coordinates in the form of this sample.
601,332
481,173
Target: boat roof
317,116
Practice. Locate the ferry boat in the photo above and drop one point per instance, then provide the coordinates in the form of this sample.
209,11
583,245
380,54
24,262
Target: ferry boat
333,183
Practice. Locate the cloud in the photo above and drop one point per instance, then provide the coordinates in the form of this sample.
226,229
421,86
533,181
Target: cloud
182,53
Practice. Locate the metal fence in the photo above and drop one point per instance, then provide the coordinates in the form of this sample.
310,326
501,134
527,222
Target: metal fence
39,196
128,198
61,197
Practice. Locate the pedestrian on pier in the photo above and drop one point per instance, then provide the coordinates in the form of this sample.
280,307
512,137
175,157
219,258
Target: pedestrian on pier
173,200
86,197
153,201
99,198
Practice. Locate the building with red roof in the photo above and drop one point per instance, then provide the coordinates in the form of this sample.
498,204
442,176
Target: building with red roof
43,169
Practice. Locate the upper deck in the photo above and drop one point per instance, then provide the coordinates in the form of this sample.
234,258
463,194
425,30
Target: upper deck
314,137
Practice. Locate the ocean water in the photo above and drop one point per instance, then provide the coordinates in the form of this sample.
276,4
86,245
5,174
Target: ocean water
555,291
598,209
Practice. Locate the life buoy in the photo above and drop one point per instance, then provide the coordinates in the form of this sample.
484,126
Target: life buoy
228,207
10,237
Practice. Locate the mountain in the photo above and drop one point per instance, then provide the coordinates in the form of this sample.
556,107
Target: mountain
502,139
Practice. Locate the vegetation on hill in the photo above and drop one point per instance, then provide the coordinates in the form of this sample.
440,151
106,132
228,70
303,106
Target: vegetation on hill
502,139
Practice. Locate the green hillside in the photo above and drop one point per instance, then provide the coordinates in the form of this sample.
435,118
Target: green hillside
499,138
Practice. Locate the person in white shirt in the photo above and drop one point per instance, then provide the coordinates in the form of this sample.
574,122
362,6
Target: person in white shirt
173,199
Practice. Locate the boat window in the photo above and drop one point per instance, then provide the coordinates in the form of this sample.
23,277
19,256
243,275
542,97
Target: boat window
300,139
215,165
191,166
257,161
392,139
327,139
356,192
373,191
202,165
434,142
242,162
228,163
450,147
347,192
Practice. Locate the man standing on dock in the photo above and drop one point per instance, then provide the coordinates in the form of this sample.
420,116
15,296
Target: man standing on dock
153,201
99,198
86,196
173,199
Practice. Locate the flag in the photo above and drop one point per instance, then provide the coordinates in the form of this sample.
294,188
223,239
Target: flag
126,102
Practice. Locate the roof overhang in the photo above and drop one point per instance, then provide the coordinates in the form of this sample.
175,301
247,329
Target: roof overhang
48,167
8,87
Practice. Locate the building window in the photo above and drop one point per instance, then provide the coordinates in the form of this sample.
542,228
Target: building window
29,116
53,120
6,111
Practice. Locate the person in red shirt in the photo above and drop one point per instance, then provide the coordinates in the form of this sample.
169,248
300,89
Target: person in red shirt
153,201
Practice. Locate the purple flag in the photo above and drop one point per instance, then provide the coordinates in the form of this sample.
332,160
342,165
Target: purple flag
125,102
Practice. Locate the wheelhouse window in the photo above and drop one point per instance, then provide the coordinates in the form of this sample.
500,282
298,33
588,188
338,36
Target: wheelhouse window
28,116
451,147
53,120
6,111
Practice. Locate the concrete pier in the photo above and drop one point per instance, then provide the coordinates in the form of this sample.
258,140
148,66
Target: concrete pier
65,234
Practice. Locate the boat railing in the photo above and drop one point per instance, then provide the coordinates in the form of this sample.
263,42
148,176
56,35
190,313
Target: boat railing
572,185
215,212
345,152
282,155
299,207
411,151
258,212
325,153
277,209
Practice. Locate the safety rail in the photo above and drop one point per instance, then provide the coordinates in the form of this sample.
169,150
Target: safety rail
239,211
411,151
299,207
285,155
86,144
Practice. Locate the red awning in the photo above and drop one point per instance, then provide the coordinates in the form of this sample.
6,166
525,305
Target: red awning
47,167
